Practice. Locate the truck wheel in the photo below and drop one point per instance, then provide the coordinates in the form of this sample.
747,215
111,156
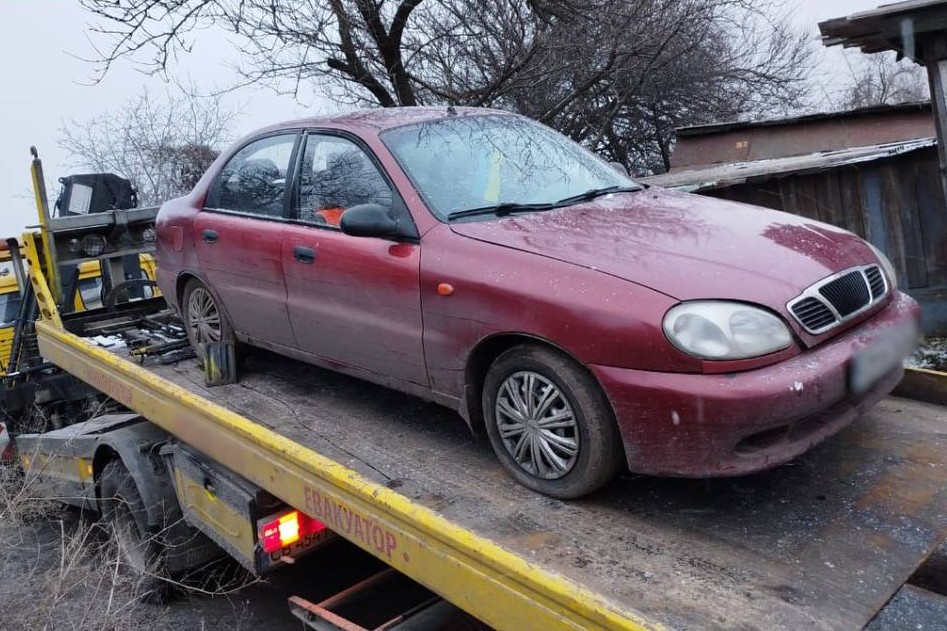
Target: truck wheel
204,320
137,552
549,423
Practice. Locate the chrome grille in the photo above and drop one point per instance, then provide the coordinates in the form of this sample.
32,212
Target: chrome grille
876,281
838,298
848,293
813,314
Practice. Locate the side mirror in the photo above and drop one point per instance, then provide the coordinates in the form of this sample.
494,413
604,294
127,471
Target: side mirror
368,220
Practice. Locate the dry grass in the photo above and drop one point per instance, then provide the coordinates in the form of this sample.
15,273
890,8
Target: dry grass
56,571
59,570
19,500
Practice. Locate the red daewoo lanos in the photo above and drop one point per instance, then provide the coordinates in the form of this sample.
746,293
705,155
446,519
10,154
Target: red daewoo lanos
480,260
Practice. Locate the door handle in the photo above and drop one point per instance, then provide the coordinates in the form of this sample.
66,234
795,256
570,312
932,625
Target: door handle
304,255
209,236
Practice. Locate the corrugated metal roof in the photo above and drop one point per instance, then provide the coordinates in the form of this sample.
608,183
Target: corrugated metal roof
720,175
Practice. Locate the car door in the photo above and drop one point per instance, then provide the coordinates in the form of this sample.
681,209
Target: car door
238,237
353,301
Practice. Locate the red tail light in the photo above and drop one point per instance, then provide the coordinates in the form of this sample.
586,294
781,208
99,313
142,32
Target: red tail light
286,529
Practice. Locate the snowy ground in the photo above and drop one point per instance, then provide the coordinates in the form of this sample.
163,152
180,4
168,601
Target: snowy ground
932,355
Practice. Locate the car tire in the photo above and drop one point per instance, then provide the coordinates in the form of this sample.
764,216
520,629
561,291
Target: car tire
135,547
204,320
562,440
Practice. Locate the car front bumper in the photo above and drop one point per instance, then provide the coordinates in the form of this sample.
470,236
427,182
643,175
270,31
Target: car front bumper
697,425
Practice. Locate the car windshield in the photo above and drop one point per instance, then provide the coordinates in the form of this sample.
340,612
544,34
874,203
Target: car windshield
510,163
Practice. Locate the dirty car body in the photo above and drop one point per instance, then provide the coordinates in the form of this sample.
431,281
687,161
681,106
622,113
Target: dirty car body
479,260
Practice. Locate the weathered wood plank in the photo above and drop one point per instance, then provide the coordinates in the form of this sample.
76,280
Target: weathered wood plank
915,261
829,198
932,217
851,196
807,199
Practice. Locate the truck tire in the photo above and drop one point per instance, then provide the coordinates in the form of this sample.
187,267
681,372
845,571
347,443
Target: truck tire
549,423
136,547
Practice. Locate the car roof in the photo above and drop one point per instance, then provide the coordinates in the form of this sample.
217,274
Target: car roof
382,118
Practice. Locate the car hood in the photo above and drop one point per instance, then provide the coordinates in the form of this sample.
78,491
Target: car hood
685,246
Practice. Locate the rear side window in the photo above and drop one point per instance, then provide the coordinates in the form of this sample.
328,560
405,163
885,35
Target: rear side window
254,180
336,174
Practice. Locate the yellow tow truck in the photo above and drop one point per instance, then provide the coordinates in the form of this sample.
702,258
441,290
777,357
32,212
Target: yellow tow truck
267,466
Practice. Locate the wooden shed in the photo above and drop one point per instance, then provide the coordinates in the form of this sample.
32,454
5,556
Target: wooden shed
871,171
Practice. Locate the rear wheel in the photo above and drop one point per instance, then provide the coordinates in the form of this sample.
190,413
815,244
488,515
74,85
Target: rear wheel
135,549
549,423
204,320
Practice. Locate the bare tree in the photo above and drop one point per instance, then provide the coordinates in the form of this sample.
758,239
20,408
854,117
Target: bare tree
619,75
163,145
881,79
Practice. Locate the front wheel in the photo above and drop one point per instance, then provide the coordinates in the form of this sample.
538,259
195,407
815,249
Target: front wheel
549,423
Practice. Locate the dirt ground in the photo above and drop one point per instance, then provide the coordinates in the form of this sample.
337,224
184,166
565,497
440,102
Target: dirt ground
51,578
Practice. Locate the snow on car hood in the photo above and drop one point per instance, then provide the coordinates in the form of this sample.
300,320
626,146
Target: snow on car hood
685,246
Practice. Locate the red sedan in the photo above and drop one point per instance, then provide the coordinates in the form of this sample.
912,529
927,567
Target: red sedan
480,260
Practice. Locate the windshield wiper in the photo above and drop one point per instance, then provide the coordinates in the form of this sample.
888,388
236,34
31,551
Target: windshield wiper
500,210
506,208
595,192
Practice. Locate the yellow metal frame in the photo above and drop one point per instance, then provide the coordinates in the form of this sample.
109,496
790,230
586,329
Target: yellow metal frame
498,587
42,209
44,296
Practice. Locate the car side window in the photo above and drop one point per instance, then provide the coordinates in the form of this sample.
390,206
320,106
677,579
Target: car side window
254,180
336,174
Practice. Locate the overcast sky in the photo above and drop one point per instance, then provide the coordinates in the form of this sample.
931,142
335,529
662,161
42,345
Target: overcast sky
46,86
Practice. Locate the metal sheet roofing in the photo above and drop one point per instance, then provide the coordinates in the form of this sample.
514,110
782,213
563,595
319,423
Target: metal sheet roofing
889,27
718,175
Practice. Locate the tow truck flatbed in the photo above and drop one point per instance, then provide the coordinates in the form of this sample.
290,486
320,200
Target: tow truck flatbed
823,542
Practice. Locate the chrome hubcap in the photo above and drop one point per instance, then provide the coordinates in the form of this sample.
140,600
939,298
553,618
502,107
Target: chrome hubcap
537,425
203,317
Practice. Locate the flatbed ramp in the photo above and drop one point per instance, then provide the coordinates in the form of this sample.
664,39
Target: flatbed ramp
821,543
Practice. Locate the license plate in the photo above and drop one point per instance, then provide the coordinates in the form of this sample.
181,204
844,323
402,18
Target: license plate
883,354
302,547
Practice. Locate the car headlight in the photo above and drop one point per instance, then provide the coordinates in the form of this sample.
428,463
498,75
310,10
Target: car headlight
886,265
725,330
